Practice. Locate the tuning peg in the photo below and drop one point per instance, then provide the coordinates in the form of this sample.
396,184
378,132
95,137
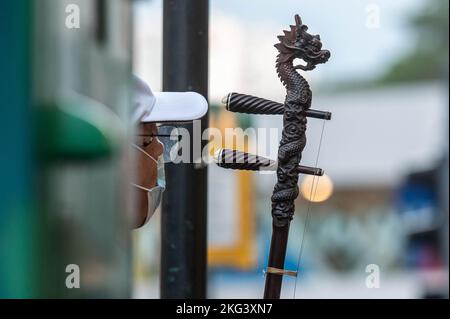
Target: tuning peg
243,103
238,160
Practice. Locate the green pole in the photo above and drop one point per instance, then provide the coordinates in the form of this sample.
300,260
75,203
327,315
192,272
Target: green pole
17,229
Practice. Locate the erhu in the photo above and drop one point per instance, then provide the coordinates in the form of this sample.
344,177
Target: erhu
296,43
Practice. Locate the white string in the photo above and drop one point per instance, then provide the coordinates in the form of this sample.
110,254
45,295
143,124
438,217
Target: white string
307,217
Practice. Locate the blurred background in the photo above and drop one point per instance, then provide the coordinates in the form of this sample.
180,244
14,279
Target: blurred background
385,151
383,204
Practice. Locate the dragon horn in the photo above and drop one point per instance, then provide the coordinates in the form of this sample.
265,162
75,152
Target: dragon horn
298,21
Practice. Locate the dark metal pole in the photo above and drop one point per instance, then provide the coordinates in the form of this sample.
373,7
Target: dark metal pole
184,209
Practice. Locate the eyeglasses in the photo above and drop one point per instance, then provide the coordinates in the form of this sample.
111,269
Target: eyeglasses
168,136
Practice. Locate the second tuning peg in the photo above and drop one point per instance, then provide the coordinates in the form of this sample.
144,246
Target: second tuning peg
237,160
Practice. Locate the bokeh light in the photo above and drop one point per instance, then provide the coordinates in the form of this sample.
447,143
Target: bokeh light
316,189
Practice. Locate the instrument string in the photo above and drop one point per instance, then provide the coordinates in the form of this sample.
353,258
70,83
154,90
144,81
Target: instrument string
312,195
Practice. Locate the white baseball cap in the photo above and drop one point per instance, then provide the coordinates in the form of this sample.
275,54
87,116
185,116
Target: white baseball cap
166,106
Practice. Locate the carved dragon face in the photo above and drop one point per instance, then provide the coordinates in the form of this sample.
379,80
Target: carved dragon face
299,44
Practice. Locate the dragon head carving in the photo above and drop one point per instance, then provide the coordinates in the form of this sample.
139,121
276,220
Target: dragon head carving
299,44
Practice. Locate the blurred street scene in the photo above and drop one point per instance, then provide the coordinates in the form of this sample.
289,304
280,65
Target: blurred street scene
376,225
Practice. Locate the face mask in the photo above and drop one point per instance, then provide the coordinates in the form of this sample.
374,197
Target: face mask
154,194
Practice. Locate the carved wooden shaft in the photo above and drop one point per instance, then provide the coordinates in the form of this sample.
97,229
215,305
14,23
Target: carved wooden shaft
295,43
285,192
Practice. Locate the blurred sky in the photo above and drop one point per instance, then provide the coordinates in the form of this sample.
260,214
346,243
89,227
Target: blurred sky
358,51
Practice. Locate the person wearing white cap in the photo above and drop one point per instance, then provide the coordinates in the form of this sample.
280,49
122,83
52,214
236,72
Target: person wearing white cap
152,143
